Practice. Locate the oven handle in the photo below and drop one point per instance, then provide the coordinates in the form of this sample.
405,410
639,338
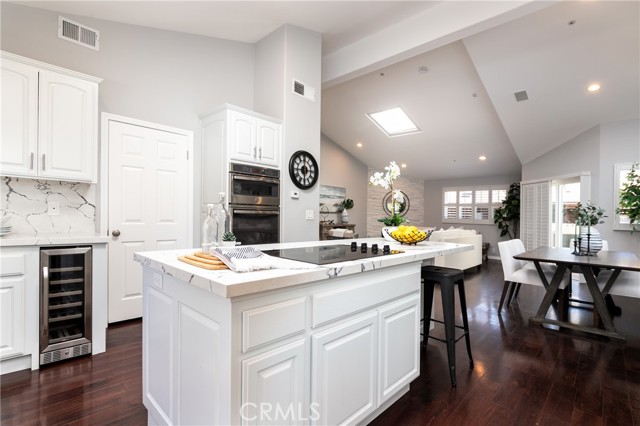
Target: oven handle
256,179
257,212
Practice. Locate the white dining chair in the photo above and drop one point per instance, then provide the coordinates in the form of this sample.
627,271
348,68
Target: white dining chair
517,272
627,284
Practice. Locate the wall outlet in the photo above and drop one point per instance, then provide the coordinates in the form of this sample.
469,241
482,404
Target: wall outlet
309,215
53,208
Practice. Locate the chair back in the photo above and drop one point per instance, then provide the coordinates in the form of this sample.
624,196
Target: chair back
507,250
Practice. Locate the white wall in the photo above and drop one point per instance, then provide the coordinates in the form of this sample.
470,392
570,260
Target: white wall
159,76
340,168
433,206
596,151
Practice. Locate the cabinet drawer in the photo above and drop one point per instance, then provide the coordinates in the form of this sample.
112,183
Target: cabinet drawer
11,265
371,289
272,322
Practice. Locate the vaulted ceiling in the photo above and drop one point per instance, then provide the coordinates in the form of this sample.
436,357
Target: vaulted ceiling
458,89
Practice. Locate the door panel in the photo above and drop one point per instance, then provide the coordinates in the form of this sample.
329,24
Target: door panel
148,206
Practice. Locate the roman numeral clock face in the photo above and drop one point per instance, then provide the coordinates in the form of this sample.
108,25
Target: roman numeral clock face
303,170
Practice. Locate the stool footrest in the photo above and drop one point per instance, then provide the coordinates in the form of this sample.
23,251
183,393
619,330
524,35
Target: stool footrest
444,341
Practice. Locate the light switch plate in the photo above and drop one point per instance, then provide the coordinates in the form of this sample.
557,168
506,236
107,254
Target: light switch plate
309,215
295,195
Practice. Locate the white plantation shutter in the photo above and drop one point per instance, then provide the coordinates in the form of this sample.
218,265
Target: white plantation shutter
535,215
482,213
497,195
471,204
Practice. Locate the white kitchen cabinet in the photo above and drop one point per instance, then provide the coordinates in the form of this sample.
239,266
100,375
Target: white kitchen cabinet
253,139
337,351
242,137
399,343
268,142
273,386
19,142
18,309
234,134
343,371
49,121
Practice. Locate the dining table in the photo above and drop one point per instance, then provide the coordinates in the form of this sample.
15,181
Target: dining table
567,262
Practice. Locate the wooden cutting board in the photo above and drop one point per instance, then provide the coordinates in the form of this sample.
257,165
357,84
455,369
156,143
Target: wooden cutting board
204,261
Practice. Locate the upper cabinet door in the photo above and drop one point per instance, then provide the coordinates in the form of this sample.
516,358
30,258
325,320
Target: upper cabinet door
242,137
19,137
268,142
67,127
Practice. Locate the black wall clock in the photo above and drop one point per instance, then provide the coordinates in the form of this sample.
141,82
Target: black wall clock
303,169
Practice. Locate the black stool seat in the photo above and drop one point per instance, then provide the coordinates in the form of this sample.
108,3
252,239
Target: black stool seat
448,278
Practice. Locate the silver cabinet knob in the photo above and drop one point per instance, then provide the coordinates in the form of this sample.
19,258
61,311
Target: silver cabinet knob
115,233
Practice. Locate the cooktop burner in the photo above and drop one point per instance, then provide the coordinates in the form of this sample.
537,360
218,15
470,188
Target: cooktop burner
321,255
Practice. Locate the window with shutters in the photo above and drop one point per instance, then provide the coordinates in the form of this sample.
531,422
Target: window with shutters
472,204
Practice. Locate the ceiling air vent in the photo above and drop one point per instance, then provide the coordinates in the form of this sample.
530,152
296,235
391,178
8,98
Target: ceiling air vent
309,93
521,96
78,33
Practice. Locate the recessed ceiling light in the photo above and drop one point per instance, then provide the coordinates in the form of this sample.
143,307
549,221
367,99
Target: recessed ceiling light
593,87
482,157
404,166
359,144
394,122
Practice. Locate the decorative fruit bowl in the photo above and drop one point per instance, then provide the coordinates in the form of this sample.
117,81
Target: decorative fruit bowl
409,235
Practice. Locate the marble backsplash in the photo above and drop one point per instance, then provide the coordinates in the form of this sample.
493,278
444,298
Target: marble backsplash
26,202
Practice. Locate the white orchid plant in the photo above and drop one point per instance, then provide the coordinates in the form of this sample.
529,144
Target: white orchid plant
386,180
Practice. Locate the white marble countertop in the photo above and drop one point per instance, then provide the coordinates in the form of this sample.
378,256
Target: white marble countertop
57,239
226,283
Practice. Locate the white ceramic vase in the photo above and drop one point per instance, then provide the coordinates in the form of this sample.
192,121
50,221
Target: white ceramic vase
345,216
591,243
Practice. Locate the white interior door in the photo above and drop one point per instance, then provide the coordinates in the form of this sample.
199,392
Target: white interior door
149,206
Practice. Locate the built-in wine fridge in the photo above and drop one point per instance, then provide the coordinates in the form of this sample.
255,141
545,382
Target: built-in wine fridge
65,303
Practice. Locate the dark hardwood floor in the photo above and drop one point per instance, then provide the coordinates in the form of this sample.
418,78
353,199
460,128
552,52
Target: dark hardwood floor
523,375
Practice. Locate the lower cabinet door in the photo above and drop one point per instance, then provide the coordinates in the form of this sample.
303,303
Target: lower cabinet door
273,385
343,372
12,324
399,345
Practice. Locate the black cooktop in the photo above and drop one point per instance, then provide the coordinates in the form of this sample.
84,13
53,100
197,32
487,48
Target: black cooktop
321,255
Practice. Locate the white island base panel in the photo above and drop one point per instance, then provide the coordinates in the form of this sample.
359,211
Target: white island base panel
333,350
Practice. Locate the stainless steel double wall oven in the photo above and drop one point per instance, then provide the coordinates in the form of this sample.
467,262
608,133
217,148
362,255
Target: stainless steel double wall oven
254,203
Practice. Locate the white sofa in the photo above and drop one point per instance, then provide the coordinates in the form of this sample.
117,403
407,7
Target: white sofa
466,259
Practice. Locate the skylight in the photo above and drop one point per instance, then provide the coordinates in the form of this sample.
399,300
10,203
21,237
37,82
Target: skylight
394,122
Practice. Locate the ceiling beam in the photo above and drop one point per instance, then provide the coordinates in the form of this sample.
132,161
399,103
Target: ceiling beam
437,26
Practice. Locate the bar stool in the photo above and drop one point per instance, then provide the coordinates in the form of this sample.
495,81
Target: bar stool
448,278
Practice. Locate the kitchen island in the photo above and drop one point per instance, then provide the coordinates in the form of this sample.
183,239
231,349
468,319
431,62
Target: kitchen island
302,344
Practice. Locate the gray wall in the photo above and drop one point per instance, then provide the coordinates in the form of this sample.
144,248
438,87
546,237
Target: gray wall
596,151
164,77
433,206
574,156
303,57
339,168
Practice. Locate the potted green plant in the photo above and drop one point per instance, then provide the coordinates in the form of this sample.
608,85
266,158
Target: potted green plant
347,204
586,218
507,216
629,198
228,239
